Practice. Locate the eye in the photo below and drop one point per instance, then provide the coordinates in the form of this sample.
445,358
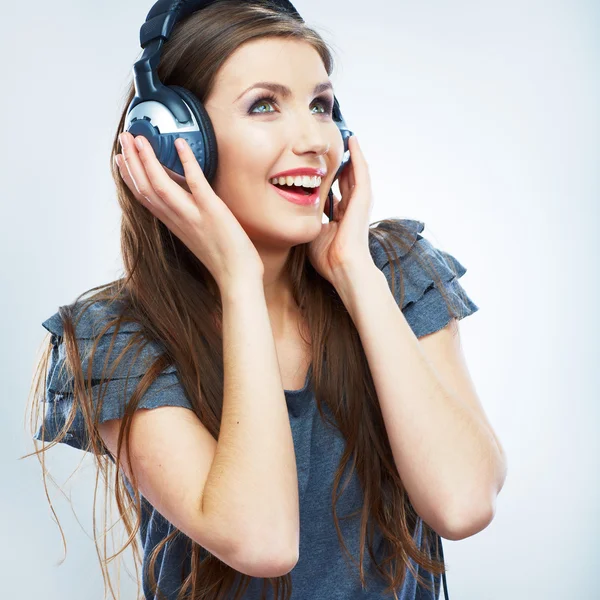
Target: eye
324,101
263,100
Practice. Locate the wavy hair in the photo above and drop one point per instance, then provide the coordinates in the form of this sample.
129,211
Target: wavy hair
175,299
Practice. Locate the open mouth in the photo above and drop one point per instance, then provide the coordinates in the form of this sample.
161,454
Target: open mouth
295,189
298,194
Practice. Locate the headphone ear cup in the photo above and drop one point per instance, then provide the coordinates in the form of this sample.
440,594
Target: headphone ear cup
205,146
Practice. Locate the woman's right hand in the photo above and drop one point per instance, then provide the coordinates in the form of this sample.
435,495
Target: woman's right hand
190,209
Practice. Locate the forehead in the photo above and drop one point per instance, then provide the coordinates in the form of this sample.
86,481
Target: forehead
292,62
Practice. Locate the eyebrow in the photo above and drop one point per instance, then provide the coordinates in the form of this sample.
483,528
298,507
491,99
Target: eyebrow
283,90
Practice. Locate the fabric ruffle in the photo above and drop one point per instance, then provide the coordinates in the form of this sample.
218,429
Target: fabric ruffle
116,390
423,305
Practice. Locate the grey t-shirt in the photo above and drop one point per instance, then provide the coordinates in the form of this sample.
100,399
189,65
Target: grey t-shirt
322,570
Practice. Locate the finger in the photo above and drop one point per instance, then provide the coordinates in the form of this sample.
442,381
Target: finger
338,212
154,183
159,209
194,176
137,173
360,173
125,175
134,174
347,175
176,203
124,172
344,183
177,178
132,164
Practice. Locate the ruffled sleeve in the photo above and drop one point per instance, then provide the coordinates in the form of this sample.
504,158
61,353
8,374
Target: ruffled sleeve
116,390
423,305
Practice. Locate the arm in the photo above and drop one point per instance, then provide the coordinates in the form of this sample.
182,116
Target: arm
445,450
252,486
237,497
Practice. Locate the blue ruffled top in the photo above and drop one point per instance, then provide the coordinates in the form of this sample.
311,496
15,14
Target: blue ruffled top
318,447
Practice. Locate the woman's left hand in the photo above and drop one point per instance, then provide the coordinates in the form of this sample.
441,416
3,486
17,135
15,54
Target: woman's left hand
344,242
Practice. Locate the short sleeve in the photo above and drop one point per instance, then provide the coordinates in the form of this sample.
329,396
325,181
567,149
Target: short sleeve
423,304
116,390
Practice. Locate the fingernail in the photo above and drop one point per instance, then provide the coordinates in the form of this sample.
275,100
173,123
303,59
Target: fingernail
139,144
123,140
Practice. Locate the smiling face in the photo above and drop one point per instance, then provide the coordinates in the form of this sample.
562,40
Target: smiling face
258,138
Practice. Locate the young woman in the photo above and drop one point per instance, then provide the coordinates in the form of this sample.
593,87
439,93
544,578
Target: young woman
281,405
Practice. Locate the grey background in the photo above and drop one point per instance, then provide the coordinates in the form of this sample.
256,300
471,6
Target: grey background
478,118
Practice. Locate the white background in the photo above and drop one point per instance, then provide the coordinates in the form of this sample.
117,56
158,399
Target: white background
480,119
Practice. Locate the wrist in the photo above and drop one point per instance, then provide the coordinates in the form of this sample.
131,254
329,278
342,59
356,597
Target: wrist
238,286
352,283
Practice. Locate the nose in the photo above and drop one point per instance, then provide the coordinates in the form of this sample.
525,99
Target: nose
315,145
312,137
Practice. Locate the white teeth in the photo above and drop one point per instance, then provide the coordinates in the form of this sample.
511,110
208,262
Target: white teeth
300,181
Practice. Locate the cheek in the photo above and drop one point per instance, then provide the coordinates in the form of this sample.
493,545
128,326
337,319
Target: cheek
243,169
241,181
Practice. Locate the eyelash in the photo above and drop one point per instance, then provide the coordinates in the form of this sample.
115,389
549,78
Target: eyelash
324,100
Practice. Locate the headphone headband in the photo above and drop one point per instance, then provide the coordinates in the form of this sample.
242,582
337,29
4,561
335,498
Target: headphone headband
165,14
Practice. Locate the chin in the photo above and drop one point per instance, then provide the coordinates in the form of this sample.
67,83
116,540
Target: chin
283,231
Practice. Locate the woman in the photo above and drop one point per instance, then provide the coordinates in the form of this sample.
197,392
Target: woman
250,383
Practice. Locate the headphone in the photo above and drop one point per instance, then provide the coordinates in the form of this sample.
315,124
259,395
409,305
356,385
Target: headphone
164,113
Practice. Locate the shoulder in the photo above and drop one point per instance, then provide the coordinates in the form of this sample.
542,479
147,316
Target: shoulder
117,355
423,277
90,319
116,348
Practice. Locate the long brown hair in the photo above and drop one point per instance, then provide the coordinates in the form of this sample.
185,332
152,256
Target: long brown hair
173,297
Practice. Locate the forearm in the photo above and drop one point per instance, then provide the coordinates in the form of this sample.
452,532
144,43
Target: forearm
253,485
446,456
